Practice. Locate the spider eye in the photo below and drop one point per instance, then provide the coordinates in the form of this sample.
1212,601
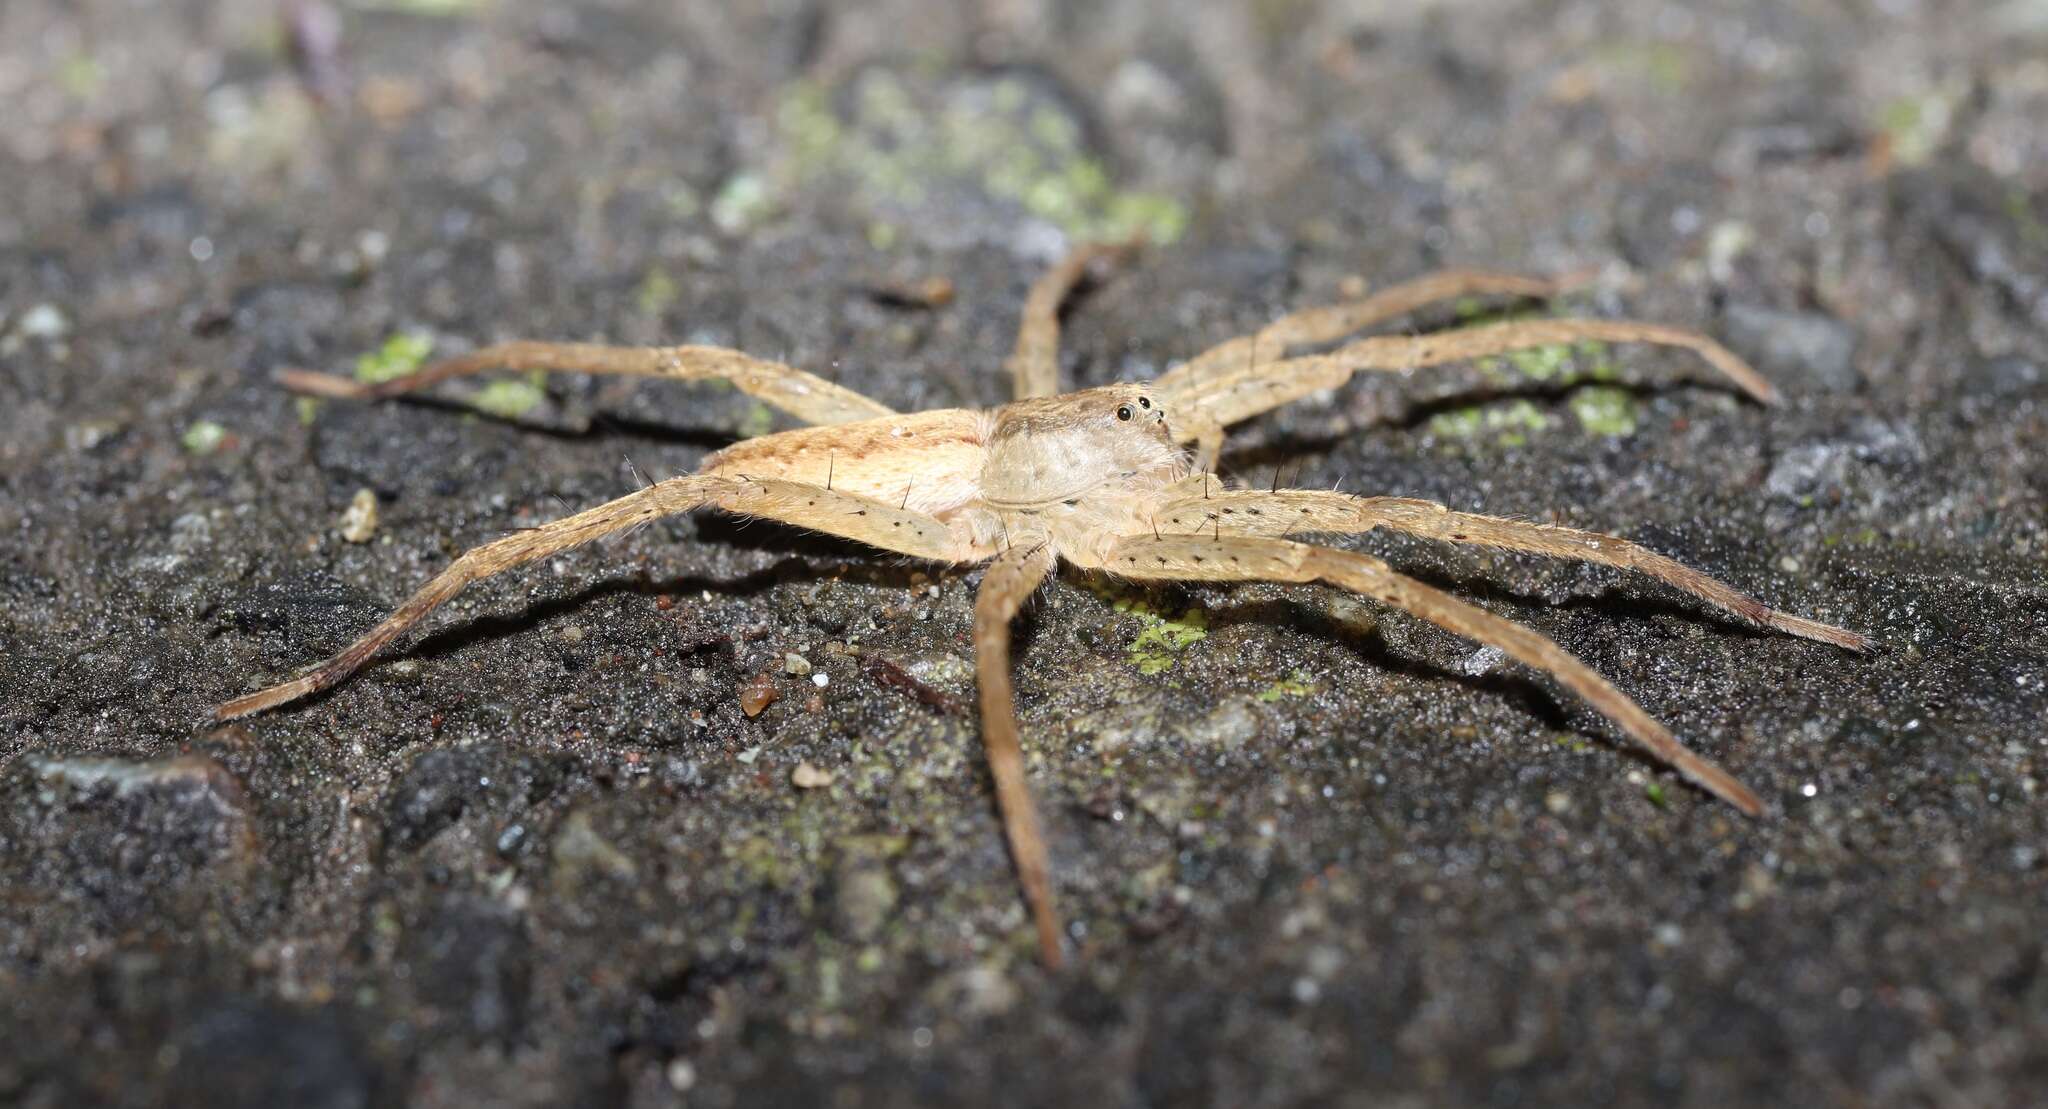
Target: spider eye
1123,411
1144,402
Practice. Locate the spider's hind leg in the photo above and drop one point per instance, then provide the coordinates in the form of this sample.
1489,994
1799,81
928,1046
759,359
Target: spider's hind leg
1035,363
1311,511
1235,558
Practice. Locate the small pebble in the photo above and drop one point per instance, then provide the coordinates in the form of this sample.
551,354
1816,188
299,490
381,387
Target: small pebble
806,776
758,694
359,522
795,664
44,321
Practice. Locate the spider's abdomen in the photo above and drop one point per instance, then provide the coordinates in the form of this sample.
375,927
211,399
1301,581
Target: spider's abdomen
927,461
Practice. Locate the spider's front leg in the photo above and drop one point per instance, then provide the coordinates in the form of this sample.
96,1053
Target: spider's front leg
1203,405
799,503
1323,325
1219,511
806,396
1330,322
1233,558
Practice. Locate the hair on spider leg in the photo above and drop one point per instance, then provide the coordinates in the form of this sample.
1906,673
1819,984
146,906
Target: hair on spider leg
639,479
564,505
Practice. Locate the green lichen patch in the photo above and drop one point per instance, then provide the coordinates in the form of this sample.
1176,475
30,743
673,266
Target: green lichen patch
1600,409
895,142
1559,363
1667,68
401,354
510,399
1916,126
1509,423
743,202
1573,742
1159,645
442,9
656,293
1296,684
1605,410
82,76
1163,636
758,420
204,437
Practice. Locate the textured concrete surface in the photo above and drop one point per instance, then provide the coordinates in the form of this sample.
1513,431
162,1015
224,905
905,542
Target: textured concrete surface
1313,852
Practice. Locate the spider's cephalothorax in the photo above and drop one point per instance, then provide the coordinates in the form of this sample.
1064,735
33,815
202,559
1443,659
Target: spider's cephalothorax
1078,469
1099,478
1094,444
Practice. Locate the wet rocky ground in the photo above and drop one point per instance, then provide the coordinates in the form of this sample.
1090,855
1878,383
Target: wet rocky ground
1312,851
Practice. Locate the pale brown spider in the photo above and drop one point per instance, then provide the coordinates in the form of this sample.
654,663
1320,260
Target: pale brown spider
1100,479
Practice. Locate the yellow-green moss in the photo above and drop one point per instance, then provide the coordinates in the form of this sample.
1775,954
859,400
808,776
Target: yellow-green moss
204,437
401,354
1163,636
1159,645
656,293
511,399
1605,410
759,420
1509,423
1296,684
744,201
897,144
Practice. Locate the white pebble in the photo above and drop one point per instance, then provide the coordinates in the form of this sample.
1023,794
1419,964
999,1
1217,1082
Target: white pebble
44,321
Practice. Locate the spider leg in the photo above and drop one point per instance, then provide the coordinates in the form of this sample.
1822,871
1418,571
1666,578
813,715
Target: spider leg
1331,322
1201,408
1035,363
1307,511
799,503
1235,558
808,397
1011,579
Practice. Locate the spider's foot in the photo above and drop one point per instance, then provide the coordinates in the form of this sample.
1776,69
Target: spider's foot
281,693
1814,629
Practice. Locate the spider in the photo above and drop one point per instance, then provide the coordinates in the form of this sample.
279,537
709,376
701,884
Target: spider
1102,479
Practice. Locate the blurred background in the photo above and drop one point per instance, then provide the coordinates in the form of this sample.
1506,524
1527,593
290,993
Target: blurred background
1312,853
